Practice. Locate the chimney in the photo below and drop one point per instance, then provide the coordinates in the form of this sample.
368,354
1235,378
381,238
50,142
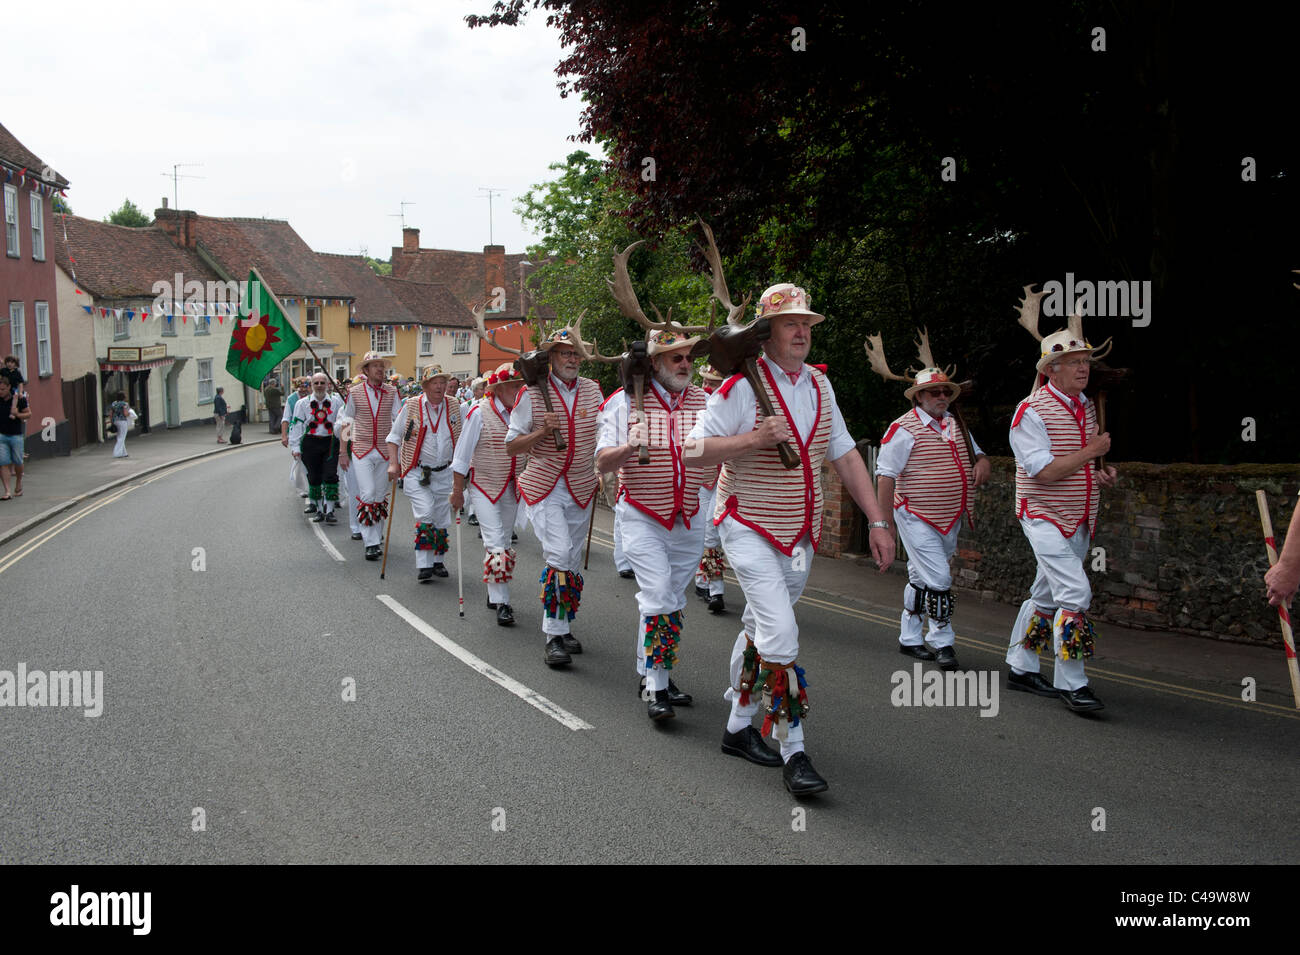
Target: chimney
494,269
164,200
410,239
181,225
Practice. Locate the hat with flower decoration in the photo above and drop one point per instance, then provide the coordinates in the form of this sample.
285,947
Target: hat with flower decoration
669,339
432,372
786,299
709,373
506,373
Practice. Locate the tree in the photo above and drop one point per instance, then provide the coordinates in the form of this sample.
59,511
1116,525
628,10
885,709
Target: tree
378,266
129,215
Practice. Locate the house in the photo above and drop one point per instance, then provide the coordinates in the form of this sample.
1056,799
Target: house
490,275
29,324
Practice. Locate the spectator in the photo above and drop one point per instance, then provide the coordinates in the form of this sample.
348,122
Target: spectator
274,403
13,375
13,412
219,415
121,415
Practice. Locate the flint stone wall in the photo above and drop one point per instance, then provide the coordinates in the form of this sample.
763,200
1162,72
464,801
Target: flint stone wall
1184,549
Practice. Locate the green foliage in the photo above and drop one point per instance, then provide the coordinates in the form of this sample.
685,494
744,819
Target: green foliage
378,266
129,215
61,206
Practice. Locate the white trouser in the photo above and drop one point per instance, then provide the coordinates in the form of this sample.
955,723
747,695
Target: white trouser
495,523
372,485
772,583
298,474
123,426
621,562
711,537
664,561
221,426
348,479
928,556
1061,582
429,505
561,528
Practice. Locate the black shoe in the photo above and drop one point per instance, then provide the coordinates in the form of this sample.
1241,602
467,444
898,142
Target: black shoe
505,616
1081,700
660,708
513,537
310,508
373,552
473,520
627,574
702,592
918,651
426,573
330,518
555,655
438,570
946,657
717,604
675,696
571,643
300,493
800,778
1030,683
748,744
356,536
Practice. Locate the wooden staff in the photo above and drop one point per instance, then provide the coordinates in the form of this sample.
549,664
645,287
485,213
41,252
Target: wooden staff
638,393
460,574
338,386
1101,425
789,457
970,453
1288,638
591,524
545,385
392,501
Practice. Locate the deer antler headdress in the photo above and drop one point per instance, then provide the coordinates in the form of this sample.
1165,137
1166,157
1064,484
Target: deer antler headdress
1058,344
929,375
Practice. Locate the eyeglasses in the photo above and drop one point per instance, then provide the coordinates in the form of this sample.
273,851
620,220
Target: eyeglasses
677,359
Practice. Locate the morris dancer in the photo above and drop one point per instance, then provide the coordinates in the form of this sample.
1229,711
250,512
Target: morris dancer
314,442
423,440
372,406
927,472
481,462
708,579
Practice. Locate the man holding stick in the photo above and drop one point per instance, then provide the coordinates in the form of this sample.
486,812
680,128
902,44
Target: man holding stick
371,406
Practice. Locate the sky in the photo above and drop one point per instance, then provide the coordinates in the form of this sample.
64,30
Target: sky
327,114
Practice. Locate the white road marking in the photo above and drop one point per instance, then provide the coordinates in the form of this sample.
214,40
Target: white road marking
529,696
325,542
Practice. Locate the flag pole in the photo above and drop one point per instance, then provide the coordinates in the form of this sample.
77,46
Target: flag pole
338,386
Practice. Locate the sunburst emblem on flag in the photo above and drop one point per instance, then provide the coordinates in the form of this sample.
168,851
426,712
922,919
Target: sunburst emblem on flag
253,340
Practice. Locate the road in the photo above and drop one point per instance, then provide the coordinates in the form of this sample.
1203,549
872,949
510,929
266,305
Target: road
225,735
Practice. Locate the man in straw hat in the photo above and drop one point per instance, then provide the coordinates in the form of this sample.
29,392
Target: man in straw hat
708,578
482,464
1054,435
658,506
770,521
371,406
927,471
423,440
558,485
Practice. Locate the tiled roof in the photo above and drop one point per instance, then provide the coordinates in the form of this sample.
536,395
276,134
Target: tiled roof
464,273
429,303
289,266
114,261
15,153
375,302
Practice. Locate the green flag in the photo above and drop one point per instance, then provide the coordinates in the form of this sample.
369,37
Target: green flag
262,337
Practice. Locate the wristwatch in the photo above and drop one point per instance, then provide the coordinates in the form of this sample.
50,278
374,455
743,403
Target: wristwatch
874,524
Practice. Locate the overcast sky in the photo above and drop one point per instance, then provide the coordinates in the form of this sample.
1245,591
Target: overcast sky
326,114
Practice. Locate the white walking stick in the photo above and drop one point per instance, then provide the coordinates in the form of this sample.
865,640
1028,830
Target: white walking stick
460,577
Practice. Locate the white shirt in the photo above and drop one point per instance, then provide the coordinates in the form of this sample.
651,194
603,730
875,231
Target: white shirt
734,414
436,450
1029,440
469,435
298,429
521,419
894,455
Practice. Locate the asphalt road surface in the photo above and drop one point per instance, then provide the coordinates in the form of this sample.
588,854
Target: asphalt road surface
226,735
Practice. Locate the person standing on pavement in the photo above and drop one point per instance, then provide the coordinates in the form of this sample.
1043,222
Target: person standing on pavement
708,578
770,522
421,444
1055,438
313,442
372,406
122,415
482,468
13,374
274,402
926,473
219,415
13,415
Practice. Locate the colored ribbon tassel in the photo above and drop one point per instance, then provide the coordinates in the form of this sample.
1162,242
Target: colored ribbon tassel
561,592
662,635
1038,635
331,493
363,513
748,672
1077,636
499,566
712,564
425,535
440,545
784,706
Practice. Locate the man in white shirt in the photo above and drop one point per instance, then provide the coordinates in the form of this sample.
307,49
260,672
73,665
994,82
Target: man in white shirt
312,441
371,406
769,520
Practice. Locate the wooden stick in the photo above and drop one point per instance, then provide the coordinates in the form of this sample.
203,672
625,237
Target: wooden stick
591,525
460,574
545,386
1101,425
638,392
789,458
1288,638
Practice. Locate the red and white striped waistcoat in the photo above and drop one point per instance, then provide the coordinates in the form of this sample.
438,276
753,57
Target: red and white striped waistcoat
423,424
491,469
1073,499
576,463
371,425
760,493
711,474
938,483
665,486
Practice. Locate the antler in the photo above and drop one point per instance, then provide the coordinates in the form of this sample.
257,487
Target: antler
1028,309
591,353
926,356
478,309
1074,324
876,355
734,312
621,287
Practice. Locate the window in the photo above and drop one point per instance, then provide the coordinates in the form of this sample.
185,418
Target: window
461,344
44,354
18,335
202,324
205,380
168,324
313,321
381,339
426,341
38,228
121,324
11,219
340,369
